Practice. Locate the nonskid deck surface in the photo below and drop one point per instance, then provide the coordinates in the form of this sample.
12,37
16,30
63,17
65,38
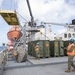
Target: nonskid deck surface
44,66
58,69
51,60
32,62
14,65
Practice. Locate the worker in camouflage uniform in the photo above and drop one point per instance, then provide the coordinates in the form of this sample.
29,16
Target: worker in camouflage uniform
37,51
20,53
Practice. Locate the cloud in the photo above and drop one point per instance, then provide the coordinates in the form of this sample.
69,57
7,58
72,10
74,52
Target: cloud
41,9
71,2
56,11
47,10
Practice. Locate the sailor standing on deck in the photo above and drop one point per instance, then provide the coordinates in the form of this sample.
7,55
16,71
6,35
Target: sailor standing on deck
71,53
37,51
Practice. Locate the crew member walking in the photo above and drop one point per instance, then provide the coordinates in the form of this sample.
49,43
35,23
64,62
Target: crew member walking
71,53
37,51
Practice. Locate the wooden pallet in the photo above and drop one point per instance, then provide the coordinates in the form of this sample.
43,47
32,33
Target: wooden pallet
10,17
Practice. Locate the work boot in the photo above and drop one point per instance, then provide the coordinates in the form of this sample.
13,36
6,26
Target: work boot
38,58
73,70
67,71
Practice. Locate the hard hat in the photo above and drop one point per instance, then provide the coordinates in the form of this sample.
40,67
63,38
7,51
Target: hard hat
72,40
37,43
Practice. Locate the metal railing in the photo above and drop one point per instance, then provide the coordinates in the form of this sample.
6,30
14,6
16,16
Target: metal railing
3,60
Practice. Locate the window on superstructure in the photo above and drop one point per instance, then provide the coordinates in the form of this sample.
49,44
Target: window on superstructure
74,29
60,38
65,35
73,35
69,35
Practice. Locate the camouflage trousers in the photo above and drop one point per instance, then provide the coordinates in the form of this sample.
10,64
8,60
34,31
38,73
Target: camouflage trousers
37,55
70,62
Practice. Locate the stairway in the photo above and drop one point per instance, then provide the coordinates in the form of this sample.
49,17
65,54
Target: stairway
10,56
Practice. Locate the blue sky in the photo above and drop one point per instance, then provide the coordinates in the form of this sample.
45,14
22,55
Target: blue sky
56,11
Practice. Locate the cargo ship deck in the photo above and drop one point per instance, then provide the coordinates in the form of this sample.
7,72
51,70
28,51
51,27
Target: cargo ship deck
44,66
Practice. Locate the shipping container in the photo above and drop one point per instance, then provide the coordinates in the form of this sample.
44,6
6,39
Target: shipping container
65,45
40,48
61,51
29,48
54,48
46,48
43,48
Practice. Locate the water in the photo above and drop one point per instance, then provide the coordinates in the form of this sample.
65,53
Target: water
2,48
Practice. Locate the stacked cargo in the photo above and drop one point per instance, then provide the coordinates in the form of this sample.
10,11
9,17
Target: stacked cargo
56,50
48,48
43,48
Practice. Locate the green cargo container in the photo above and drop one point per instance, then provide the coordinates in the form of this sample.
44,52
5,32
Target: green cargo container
61,51
54,48
33,48
40,48
46,48
65,45
43,48
29,48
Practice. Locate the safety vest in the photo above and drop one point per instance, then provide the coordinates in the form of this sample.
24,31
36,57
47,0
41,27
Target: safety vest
15,53
36,48
72,53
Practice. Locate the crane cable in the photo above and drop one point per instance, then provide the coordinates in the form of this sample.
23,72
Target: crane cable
10,4
21,16
45,35
13,5
18,13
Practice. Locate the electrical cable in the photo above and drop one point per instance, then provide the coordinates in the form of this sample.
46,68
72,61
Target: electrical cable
21,16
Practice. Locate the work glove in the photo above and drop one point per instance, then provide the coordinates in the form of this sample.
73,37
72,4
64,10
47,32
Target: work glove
62,47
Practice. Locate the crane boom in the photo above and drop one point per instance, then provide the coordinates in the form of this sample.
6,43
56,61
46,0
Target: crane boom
32,19
60,24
